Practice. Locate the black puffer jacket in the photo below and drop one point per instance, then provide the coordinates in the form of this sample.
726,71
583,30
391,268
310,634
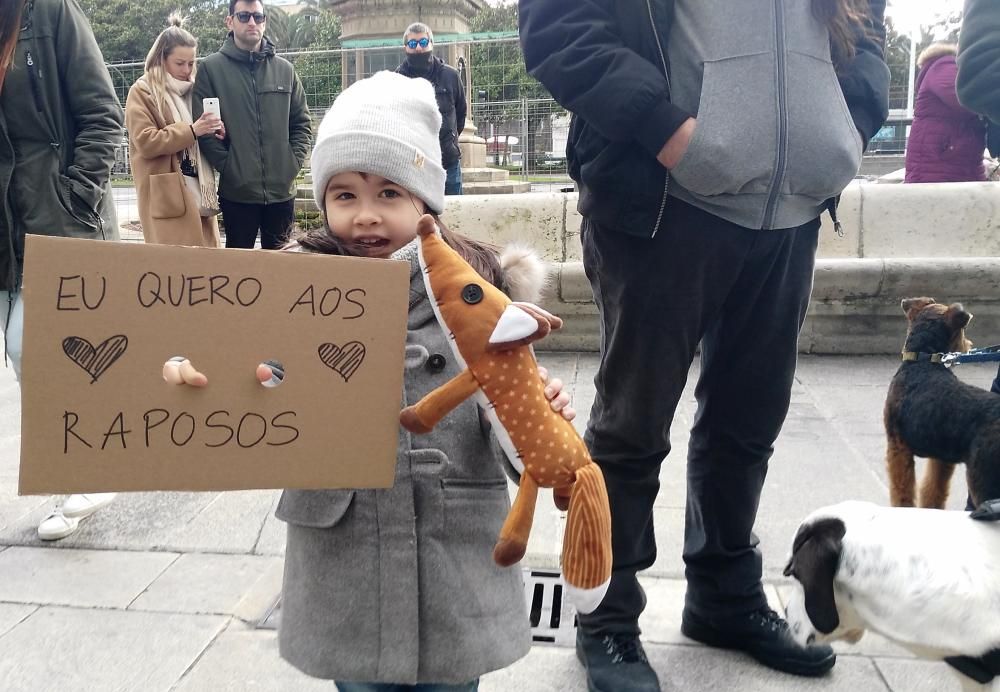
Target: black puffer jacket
450,95
606,62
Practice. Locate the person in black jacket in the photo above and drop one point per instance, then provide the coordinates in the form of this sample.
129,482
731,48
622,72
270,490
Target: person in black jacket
707,138
418,42
978,66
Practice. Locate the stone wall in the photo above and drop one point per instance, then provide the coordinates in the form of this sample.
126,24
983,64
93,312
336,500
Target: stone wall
899,241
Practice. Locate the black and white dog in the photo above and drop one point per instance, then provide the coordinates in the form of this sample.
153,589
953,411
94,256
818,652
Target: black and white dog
927,579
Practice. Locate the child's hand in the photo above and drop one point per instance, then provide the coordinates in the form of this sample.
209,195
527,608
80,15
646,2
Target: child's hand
179,370
558,399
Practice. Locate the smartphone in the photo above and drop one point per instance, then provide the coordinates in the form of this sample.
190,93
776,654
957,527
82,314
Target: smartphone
211,105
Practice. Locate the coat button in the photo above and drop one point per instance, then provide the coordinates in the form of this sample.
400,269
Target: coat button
436,363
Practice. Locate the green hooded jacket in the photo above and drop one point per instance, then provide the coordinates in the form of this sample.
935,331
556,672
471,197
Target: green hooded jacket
268,127
58,135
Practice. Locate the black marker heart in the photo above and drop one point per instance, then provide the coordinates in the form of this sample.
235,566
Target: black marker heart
343,360
95,361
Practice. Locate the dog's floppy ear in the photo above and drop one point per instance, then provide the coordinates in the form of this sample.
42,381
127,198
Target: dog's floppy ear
957,317
912,306
815,557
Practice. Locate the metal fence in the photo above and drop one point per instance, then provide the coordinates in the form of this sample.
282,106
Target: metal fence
525,129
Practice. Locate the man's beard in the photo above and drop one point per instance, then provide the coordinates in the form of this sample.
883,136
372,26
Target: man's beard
420,62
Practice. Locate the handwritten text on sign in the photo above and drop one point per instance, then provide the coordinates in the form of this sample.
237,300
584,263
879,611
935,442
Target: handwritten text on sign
101,318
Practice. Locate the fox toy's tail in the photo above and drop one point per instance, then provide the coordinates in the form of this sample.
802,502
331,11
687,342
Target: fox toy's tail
587,543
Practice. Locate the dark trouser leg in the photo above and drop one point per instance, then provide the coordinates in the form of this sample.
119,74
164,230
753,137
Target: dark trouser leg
995,388
656,296
453,180
241,222
748,365
276,224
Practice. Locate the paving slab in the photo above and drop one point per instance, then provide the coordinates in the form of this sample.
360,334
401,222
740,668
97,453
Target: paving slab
683,669
273,534
831,449
60,649
11,614
700,669
918,676
247,661
134,521
228,522
259,599
87,578
205,583
661,620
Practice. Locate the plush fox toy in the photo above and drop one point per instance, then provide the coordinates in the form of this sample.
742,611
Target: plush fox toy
490,336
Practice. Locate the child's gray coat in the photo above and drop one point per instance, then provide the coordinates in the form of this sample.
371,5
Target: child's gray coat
399,585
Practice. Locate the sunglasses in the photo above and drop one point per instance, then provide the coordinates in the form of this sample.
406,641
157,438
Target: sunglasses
413,43
244,17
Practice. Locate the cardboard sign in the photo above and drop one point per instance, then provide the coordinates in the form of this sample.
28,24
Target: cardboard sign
101,318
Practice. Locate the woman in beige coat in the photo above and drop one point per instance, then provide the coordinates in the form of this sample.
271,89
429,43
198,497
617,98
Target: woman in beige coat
175,184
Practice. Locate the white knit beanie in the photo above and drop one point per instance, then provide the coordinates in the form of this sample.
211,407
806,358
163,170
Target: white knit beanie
386,125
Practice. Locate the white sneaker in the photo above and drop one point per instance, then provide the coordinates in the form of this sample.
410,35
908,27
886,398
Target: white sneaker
81,506
56,526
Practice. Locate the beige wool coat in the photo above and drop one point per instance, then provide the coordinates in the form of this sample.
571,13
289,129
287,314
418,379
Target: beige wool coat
155,142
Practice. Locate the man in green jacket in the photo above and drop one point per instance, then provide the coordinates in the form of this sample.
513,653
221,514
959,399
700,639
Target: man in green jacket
58,137
261,101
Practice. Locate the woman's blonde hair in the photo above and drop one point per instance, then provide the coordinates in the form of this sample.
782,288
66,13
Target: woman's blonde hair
174,36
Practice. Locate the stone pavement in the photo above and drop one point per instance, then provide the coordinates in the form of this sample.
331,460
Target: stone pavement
164,591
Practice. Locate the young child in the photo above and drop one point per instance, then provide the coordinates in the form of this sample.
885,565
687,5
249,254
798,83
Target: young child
397,589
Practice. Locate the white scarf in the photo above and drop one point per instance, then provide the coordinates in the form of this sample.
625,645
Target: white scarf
179,100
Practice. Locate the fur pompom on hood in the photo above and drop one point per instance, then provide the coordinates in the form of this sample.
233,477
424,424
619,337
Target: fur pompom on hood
935,51
524,273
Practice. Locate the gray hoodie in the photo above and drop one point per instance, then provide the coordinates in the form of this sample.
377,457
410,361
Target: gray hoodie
774,137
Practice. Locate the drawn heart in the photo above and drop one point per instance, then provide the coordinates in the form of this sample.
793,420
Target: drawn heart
95,361
343,360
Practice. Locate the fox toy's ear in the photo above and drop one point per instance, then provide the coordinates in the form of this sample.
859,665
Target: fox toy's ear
913,306
517,327
521,324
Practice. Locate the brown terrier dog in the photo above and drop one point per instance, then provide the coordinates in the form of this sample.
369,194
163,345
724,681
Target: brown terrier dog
931,413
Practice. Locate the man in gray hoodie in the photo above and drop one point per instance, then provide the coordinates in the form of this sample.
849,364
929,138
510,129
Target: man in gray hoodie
707,138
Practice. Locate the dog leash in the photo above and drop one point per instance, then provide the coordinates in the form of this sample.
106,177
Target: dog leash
986,354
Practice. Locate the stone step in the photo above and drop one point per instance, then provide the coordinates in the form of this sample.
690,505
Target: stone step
506,187
484,175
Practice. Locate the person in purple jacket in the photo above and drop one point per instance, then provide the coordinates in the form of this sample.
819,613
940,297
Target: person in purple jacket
946,140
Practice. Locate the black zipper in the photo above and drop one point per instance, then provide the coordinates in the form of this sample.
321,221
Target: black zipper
779,166
260,130
36,92
666,75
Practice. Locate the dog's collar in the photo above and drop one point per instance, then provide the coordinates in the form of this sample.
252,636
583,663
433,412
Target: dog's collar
976,355
914,356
